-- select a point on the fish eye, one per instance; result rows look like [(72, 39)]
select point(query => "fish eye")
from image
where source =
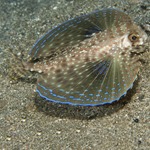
[(133, 37)]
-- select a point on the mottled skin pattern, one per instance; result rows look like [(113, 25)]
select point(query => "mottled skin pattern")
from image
[(87, 60)]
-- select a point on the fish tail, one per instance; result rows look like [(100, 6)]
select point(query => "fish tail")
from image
[(15, 67)]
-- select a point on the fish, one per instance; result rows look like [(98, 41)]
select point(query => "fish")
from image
[(89, 60)]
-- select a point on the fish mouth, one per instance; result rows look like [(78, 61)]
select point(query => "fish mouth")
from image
[(139, 49)]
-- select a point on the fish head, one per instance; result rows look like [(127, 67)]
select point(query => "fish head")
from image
[(137, 36), (134, 38)]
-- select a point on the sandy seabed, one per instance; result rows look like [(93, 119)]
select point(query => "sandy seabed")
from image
[(29, 122)]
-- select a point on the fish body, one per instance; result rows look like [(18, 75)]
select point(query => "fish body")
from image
[(88, 60)]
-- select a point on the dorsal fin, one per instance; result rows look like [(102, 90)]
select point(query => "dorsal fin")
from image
[(73, 31)]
